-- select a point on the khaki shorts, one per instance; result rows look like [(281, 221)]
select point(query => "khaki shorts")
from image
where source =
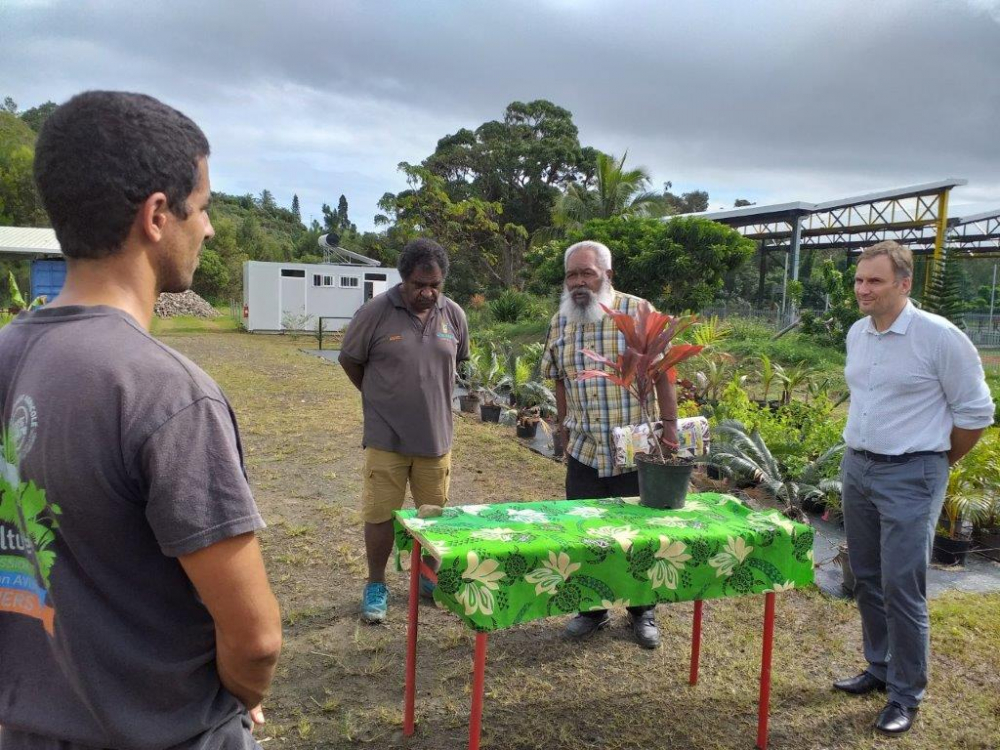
[(385, 477)]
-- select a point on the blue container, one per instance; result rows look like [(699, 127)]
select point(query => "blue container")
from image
[(47, 278)]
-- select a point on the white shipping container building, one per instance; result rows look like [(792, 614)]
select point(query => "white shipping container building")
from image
[(295, 296)]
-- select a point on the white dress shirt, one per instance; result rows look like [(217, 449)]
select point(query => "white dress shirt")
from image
[(912, 383)]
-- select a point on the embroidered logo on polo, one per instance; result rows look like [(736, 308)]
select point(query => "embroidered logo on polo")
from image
[(27, 525), (444, 333), (397, 337)]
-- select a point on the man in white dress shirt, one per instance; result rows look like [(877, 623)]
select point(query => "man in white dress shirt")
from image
[(919, 402)]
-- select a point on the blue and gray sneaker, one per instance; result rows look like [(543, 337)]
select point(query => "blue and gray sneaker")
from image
[(375, 603)]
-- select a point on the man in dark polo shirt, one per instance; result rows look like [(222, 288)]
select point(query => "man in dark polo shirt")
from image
[(401, 351)]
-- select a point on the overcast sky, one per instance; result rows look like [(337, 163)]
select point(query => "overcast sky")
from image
[(770, 101)]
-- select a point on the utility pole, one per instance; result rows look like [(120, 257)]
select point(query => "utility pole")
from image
[(993, 292)]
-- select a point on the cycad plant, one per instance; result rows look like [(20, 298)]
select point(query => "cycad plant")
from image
[(483, 373), (739, 452)]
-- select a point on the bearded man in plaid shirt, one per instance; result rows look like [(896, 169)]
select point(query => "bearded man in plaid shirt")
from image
[(589, 410)]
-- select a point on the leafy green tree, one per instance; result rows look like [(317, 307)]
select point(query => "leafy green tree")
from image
[(678, 264), (9, 106), (521, 162), (331, 222), (472, 230), (616, 191), (295, 207), (36, 116), (689, 203), (20, 204), (831, 326)]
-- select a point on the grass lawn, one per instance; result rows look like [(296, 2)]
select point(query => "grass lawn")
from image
[(340, 684)]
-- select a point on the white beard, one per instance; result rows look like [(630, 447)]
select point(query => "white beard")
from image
[(591, 312)]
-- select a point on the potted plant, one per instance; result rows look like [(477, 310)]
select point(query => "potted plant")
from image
[(968, 500), (535, 402), (470, 377), (648, 356), (986, 459), (767, 375), (986, 533), (490, 376), (792, 378)]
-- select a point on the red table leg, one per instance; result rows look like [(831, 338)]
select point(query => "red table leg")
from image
[(695, 643), (478, 680), (409, 691), (765, 672)]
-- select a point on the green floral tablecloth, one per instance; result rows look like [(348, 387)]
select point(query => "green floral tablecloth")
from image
[(513, 562)]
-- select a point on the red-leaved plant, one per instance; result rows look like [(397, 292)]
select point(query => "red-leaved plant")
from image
[(648, 355)]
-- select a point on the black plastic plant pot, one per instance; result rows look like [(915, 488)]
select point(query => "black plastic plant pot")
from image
[(663, 486), (527, 431), (490, 412), (468, 404), (948, 551)]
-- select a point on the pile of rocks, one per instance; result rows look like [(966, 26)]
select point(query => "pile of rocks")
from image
[(186, 303)]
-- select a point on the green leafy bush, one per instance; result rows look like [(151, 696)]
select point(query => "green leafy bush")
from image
[(677, 265), (796, 433), (511, 306)]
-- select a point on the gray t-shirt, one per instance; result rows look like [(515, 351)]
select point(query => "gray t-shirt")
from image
[(121, 456), (409, 372)]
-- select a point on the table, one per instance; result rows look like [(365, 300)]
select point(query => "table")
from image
[(505, 564)]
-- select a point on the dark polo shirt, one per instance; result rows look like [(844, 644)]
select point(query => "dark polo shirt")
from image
[(409, 372)]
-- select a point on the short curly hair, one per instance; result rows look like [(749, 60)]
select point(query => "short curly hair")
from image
[(101, 155), (422, 253)]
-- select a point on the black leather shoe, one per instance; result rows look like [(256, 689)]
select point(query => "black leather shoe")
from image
[(644, 628), (895, 718), (586, 624), (863, 684)]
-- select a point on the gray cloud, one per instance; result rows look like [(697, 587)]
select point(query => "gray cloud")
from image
[(770, 101)]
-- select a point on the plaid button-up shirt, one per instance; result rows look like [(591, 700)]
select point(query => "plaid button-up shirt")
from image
[(593, 407)]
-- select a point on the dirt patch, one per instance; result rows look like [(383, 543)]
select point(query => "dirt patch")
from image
[(340, 684)]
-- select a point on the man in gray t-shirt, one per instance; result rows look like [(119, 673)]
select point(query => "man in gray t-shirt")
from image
[(401, 351), (134, 607)]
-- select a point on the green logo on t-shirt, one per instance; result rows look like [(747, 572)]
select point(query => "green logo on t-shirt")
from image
[(27, 533)]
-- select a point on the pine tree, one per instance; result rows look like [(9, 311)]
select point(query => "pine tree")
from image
[(342, 221), (295, 207), (944, 295)]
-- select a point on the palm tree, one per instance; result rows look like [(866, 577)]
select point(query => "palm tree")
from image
[(616, 192)]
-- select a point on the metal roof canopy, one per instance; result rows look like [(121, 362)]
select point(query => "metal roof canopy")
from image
[(28, 243), (905, 208), (913, 215), (910, 215)]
